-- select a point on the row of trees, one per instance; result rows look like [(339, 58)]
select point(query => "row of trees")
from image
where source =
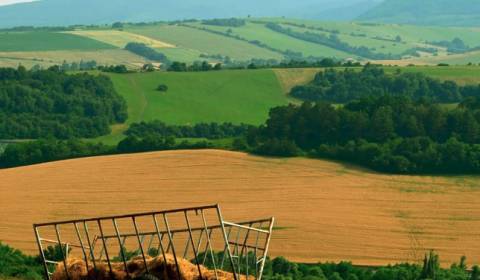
[(50, 103), (393, 134), (343, 86), (201, 130), (333, 41), (195, 67), (230, 22), (143, 50)]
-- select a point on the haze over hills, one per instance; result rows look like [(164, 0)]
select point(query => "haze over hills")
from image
[(70, 12), (426, 12)]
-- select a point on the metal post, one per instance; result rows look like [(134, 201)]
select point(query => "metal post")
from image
[(122, 253), (193, 244), (265, 252), (170, 237), (61, 250), (206, 247), (83, 247), (42, 254), (91, 249), (160, 237), (225, 249), (187, 246), (105, 246), (140, 243), (209, 245), (227, 242)]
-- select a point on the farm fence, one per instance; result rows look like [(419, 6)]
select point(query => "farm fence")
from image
[(197, 234)]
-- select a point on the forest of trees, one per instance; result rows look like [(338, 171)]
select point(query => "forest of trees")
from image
[(195, 67), (456, 45), (230, 22), (51, 103), (40, 151), (343, 86), (143, 50), (201, 130), (387, 133)]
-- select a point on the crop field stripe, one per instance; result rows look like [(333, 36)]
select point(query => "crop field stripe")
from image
[(47, 41), (368, 218)]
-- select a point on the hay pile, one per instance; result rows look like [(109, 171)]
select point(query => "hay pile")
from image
[(157, 267)]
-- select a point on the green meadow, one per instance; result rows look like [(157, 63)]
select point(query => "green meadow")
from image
[(47, 41)]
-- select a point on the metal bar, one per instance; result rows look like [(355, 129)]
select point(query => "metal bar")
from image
[(245, 242), (235, 249), (122, 253), (256, 249), (193, 244), (184, 230), (265, 252), (220, 218), (83, 248), (61, 250), (160, 238), (42, 254), (225, 249), (245, 227), (170, 237), (199, 243), (105, 247), (56, 242), (149, 245), (140, 243), (127, 216), (186, 248), (170, 244), (206, 247), (209, 244), (92, 253)]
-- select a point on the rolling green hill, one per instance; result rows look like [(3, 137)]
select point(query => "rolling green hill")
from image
[(47, 41), (237, 96), (426, 12), (196, 41)]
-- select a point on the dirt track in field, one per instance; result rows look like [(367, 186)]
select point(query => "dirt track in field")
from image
[(326, 211)]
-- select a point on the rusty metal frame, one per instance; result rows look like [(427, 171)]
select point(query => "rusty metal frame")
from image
[(236, 252)]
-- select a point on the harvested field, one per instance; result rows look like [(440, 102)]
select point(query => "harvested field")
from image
[(158, 267), (325, 211), (120, 38)]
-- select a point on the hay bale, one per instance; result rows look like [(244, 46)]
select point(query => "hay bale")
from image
[(159, 267)]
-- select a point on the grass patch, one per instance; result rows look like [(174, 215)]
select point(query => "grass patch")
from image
[(236, 96), (47, 41)]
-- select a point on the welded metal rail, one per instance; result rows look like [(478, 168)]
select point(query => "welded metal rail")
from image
[(229, 253)]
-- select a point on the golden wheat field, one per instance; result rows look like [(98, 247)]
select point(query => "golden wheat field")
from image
[(325, 211)]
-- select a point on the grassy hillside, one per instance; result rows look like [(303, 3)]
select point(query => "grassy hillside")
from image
[(49, 58), (338, 206), (426, 12), (238, 96), (256, 31), (47, 41), (194, 41), (204, 42), (243, 96)]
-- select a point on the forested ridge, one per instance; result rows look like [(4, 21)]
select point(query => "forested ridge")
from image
[(51, 103), (343, 86), (387, 133)]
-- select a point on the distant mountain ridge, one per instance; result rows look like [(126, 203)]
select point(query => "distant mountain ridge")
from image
[(426, 12), (71, 12)]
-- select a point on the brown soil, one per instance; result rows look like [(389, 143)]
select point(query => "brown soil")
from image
[(325, 211)]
